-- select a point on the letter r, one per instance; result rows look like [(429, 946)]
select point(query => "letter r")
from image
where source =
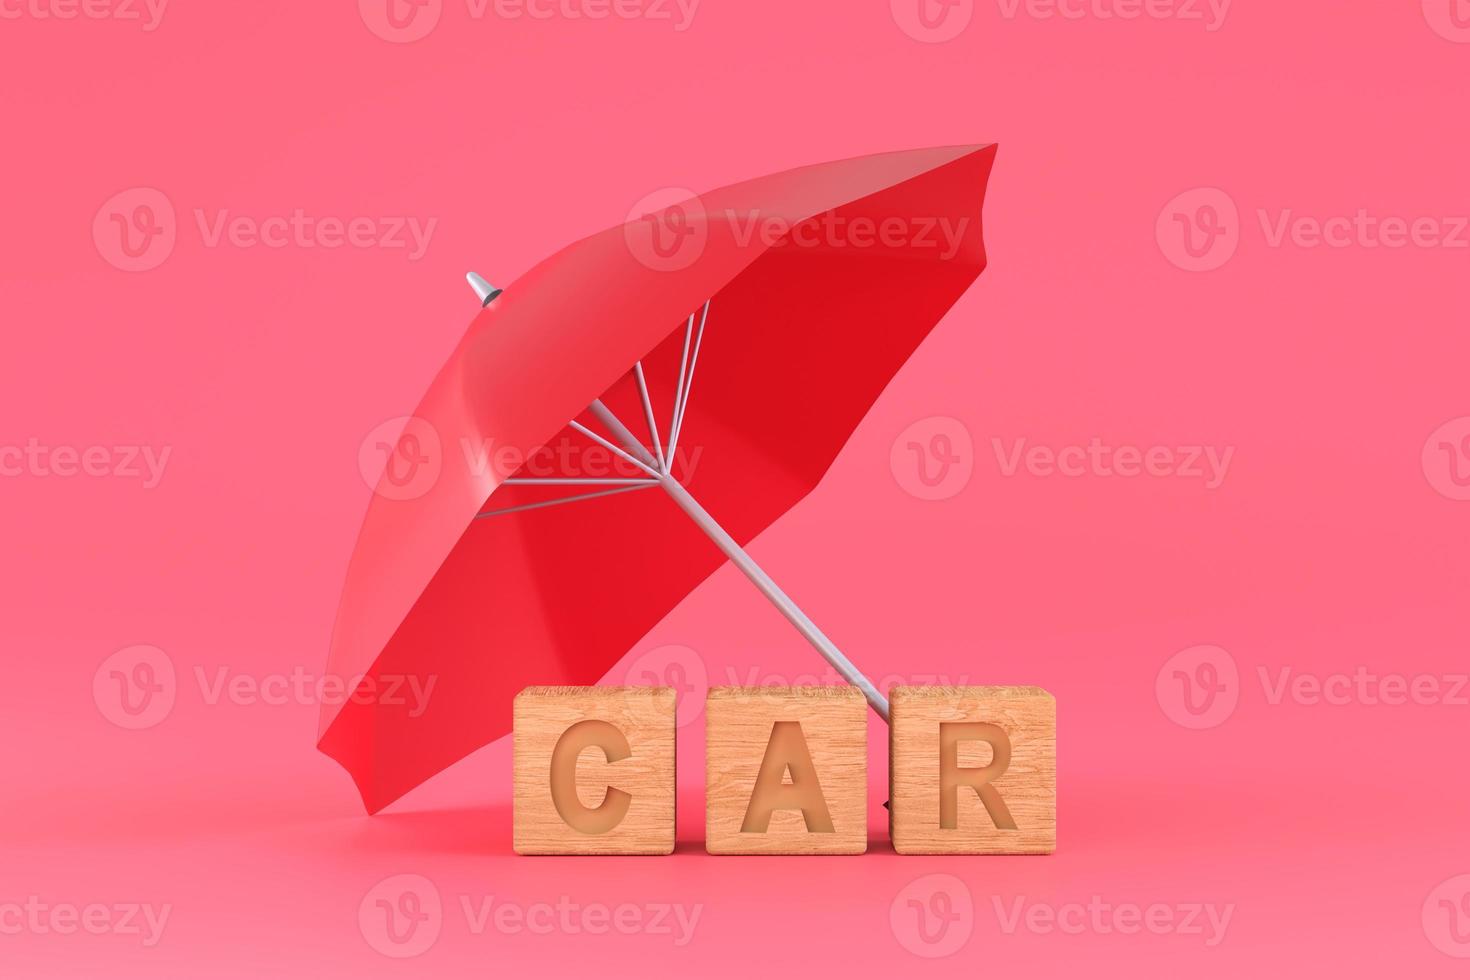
[(982, 780)]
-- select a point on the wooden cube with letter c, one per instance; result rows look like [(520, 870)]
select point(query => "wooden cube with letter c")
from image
[(594, 770), (787, 770), (972, 770)]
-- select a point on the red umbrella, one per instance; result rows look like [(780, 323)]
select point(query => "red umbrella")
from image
[(718, 351)]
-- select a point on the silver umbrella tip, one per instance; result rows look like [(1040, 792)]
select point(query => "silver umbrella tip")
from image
[(482, 288)]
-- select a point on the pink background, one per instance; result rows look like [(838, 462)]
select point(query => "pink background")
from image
[(1336, 540)]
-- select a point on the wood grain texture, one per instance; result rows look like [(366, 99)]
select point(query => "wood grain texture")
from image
[(833, 728), (1022, 718), (644, 716)]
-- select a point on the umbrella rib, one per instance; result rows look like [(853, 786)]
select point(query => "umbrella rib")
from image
[(658, 449), (576, 481), (688, 381), (679, 387), (609, 446), (642, 485)]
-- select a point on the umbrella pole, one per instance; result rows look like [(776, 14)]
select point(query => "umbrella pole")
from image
[(745, 563), (772, 591)]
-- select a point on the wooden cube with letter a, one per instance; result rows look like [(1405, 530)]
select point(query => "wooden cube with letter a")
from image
[(594, 770), (787, 770), (972, 770)]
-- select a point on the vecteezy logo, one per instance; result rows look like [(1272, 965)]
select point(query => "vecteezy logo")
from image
[(1450, 19), (933, 916), (934, 458), (401, 459), (1447, 459), (1199, 230), (1446, 917), (668, 229), (136, 687), (401, 916), (400, 21), (678, 667), (1198, 687), (135, 229), (933, 21)]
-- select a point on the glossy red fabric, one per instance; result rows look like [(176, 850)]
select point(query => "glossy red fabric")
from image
[(804, 333)]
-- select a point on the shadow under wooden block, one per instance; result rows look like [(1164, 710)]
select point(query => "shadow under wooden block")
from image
[(786, 770), (972, 770), (594, 770)]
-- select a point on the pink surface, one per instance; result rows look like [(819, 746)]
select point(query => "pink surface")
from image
[(184, 419)]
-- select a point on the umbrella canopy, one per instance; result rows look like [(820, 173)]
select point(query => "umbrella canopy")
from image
[(754, 326)]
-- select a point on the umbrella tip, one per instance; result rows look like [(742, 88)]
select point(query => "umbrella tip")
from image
[(482, 288)]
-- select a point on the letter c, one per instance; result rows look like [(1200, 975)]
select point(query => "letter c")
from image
[(573, 742)]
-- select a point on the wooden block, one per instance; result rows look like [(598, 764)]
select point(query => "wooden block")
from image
[(594, 770), (972, 770), (787, 770)]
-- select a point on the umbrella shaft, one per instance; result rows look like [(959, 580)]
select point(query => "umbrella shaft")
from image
[(746, 564), (773, 592)]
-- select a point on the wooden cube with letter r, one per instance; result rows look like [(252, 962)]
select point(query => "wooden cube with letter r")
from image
[(787, 770), (594, 770), (972, 770)]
